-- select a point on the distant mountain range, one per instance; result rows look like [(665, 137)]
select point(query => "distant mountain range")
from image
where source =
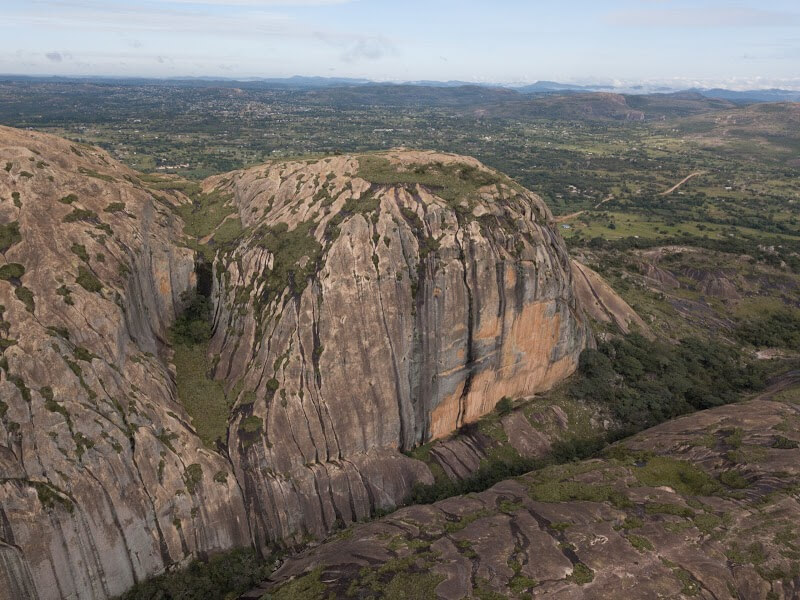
[(539, 87)]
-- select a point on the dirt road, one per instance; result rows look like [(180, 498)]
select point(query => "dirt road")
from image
[(563, 218), (681, 182)]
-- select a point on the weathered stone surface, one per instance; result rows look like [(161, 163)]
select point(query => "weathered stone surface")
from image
[(102, 479), (660, 517), (406, 315), (602, 303), (355, 317)]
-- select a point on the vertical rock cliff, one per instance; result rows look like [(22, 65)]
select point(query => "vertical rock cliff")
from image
[(362, 305), (102, 479), (374, 303)]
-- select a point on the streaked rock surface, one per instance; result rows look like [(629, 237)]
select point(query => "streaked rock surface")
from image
[(418, 310), (103, 481)]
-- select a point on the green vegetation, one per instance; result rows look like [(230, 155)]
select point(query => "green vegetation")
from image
[(562, 491), (452, 182), (404, 578), (65, 293), (489, 473), (681, 476), (690, 587), (80, 214), (581, 574), (520, 584), (115, 207), (193, 326), (297, 254), (11, 271), (642, 383), (26, 297), (779, 329), (81, 353), (50, 497), (784, 443), (9, 235), (642, 544), (707, 522), (307, 587), (412, 586), (251, 424), (79, 250), (87, 280), (95, 174), (647, 382), (202, 397), (665, 508), (734, 480), (505, 406), (463, 521), (743, 205), (223, 577), (192, 477), (207, 215)]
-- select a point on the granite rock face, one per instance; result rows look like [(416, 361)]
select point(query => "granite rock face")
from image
[(103, 481), (602, 303), (364, 305), (378, 302), (704, 506)]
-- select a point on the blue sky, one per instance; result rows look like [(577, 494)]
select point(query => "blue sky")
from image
[(680, 42)]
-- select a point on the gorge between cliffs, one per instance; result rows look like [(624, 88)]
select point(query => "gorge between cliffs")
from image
[(357, 307)]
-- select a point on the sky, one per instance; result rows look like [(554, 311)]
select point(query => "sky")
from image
[(681, 43)]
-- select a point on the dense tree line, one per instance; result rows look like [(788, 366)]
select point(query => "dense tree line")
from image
[(779, 329), (646, 382), (642, 383), (780, 252)]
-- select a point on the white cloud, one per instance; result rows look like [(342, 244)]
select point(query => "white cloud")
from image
[(720, 16), (355, 48), (98, 16)]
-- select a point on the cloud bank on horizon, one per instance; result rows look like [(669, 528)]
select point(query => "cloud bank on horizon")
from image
[(677, 43)]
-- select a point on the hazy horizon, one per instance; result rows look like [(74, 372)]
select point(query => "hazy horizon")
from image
[(671, 43)]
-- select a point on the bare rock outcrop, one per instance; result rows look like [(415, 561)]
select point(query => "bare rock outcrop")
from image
[(103, 482), (362, 305), (376, 302), (602, 303), (704, 506)]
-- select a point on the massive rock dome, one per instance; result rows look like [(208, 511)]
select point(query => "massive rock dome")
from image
[(377, 302), (362, 305)]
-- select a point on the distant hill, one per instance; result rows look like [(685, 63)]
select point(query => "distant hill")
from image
[(401, 95), (603, 106), (300, 82), (775, 119), (677, 104), (573, 106), (751, 96), (554, 86), (503, 102), (772, 130)]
